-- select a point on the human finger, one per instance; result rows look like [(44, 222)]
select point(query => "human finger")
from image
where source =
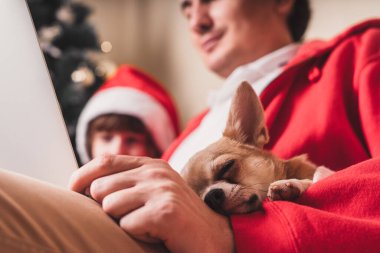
[(140, 226), (153, 171), (103, 186), (122, 202), (102, 166)]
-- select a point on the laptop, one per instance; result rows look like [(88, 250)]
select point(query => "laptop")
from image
[(33, 136)]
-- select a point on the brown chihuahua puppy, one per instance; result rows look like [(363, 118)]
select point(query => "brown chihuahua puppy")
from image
[(235, 174)]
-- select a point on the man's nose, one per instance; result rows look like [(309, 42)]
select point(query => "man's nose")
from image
[(200, 20)]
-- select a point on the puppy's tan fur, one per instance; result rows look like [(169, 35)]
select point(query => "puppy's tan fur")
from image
[(235, 174)]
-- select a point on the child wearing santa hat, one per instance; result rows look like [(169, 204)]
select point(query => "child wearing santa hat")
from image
[(130, 114)]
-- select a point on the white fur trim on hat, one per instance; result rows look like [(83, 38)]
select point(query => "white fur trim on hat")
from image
[(127, 101)]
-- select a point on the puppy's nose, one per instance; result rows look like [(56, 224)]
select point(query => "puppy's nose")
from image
[(215, 199)]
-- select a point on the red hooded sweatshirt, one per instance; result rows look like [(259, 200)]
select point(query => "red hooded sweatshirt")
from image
[(326, 103)]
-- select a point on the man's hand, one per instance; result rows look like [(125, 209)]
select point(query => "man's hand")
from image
[(153, 203)]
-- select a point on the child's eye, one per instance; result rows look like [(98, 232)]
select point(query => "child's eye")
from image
[(131, 140), (106, 137)]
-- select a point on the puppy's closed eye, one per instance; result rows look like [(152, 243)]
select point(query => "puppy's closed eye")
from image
[(225, 170)]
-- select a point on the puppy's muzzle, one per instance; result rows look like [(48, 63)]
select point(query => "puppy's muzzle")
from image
[(215, 199)]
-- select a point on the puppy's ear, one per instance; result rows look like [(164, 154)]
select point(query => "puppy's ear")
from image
[(246, 122)]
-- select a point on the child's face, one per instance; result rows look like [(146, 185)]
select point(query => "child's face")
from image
[(119, 143)]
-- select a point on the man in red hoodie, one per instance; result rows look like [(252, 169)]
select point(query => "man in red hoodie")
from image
[(321, 98)]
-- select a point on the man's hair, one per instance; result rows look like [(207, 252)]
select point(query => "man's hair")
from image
[(120, 122), (298, 19)]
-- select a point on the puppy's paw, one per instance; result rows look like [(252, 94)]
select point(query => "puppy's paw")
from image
[(288, 189)]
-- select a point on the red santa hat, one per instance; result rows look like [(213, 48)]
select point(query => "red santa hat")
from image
[(131, 92)]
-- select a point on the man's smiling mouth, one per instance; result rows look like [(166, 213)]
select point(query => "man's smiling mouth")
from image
[(210, 42)]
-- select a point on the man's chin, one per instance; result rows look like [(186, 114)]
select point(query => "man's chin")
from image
[(218, 65)]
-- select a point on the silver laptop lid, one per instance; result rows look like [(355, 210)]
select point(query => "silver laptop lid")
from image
[(33, 136)]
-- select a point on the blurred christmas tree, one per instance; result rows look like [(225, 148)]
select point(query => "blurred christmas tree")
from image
[(68, 41)]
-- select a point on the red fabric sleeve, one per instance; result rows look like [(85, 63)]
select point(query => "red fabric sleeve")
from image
[(369, 103), (338, 214)]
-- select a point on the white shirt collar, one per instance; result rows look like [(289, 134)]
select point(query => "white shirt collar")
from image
[(253, 72)]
